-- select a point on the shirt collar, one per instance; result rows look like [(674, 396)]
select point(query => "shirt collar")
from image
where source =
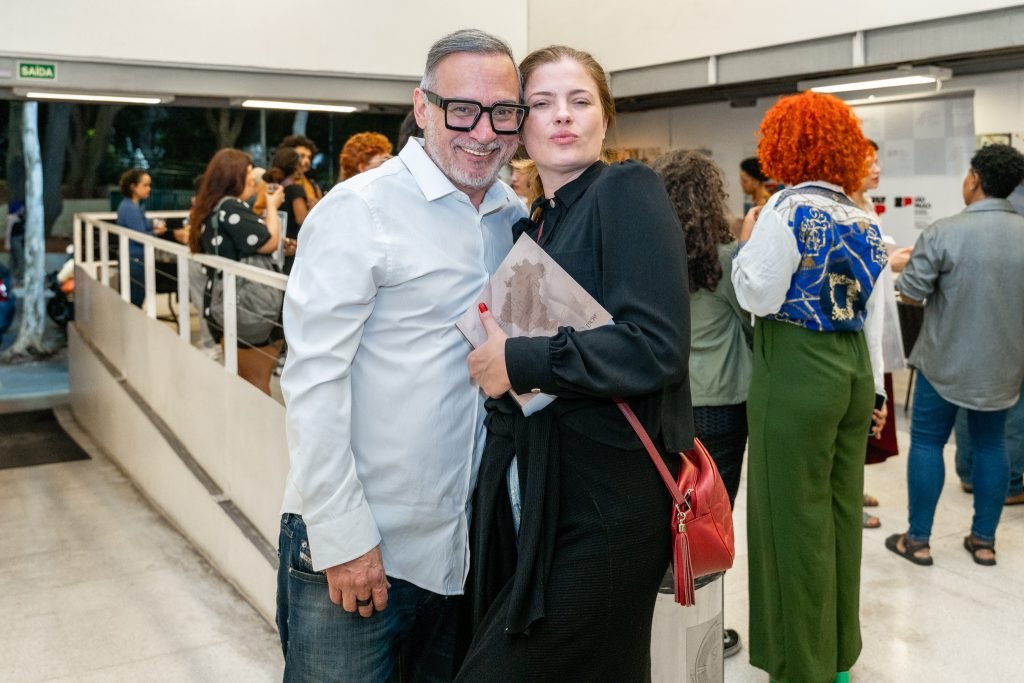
[(574, 189), (991, 204), (434, 184), (820, 183)]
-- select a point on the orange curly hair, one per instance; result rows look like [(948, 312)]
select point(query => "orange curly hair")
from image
[(812, 136), (359, 149)]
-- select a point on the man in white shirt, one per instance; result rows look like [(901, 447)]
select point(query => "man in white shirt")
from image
[(385, 429)]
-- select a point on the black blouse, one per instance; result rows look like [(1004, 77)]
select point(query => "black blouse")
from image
[(614, 230), (291, 193), (239, 231)]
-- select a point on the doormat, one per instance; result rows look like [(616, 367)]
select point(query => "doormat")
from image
[(35, 438)]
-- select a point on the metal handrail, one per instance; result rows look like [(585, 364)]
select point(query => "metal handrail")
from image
[(86, 224)]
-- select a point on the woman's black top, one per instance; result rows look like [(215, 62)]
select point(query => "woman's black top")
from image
[(239, 231), (614, 230), (291, 193)]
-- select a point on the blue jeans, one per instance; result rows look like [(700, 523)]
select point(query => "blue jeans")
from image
[(413, 639), (926, 471), (1014, 448)]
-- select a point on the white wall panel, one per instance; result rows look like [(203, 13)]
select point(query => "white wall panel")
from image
[(730, 134), (387, 37), (646, 32)]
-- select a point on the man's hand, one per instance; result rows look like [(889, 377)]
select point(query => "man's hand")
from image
[(359, 584), (487, 363)]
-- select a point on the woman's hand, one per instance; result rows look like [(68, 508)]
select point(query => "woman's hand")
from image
[(275, 199), (182, 234), (748, 223), (898, 259), (289, 246), (487, 363), (878, 418)]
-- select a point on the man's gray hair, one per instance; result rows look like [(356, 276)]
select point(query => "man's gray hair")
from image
[(465, 40)]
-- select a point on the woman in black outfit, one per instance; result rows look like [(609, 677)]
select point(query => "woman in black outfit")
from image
[(569, 594), (285, 171)]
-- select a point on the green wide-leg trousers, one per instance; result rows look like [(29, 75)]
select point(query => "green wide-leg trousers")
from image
[(809, 411)]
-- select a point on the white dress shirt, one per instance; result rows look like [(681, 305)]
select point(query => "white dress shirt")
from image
[(385, 428), (763, 269)]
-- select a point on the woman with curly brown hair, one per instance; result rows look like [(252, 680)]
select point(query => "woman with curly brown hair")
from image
[(720, 331), (362, 152), (808, 270)]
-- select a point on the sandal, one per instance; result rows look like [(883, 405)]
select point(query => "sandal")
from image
[(870, 501), (974, 546), (871, 522), (909, 548)]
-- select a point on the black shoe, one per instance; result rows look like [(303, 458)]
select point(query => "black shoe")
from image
[(731, 643)]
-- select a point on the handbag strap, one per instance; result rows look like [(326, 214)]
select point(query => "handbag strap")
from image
[(666, 476)]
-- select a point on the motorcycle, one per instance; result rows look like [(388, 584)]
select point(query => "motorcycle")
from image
[(61, 306)]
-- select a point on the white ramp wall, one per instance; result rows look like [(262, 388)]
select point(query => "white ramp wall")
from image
[(203, 445)]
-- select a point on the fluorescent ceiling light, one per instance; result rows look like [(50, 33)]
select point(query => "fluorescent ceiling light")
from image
[(299, 106), (872, 85), (875, 81), (83, 97)]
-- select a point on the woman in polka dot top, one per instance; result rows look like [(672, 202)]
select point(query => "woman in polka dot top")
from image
[(227, 183)]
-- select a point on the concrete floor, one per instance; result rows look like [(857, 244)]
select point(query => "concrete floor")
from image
[(96, 586)]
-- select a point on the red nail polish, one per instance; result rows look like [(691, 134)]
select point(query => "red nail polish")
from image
[(482, 307)]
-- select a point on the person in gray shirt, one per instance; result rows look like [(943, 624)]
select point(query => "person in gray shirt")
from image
[(966, 272)]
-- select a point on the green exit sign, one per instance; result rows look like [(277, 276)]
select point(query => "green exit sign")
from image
[(37, 71)]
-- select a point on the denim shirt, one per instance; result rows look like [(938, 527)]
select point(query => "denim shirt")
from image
[(967, 269)]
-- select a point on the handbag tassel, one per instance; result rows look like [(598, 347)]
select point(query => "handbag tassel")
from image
[(683, 571)]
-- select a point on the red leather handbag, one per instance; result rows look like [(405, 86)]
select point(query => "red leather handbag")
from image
[(702, 535)]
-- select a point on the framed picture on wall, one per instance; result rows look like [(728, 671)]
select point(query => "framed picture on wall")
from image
[(987, 139)]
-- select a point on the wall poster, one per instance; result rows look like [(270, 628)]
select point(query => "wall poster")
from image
[(925, 147)]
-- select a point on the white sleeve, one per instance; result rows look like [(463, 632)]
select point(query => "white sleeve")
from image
[(874, 325), (340, 264), (762, 271)]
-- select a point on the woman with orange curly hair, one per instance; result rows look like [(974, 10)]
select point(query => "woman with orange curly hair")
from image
[(362, 152), (807, 270)]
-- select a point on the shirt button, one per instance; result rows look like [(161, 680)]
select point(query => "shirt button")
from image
[(535, 390), (551, 203)]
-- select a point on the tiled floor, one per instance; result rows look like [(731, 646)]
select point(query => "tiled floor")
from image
[(95, 586)]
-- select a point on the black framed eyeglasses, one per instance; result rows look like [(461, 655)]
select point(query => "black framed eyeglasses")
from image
[(463, 115)]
